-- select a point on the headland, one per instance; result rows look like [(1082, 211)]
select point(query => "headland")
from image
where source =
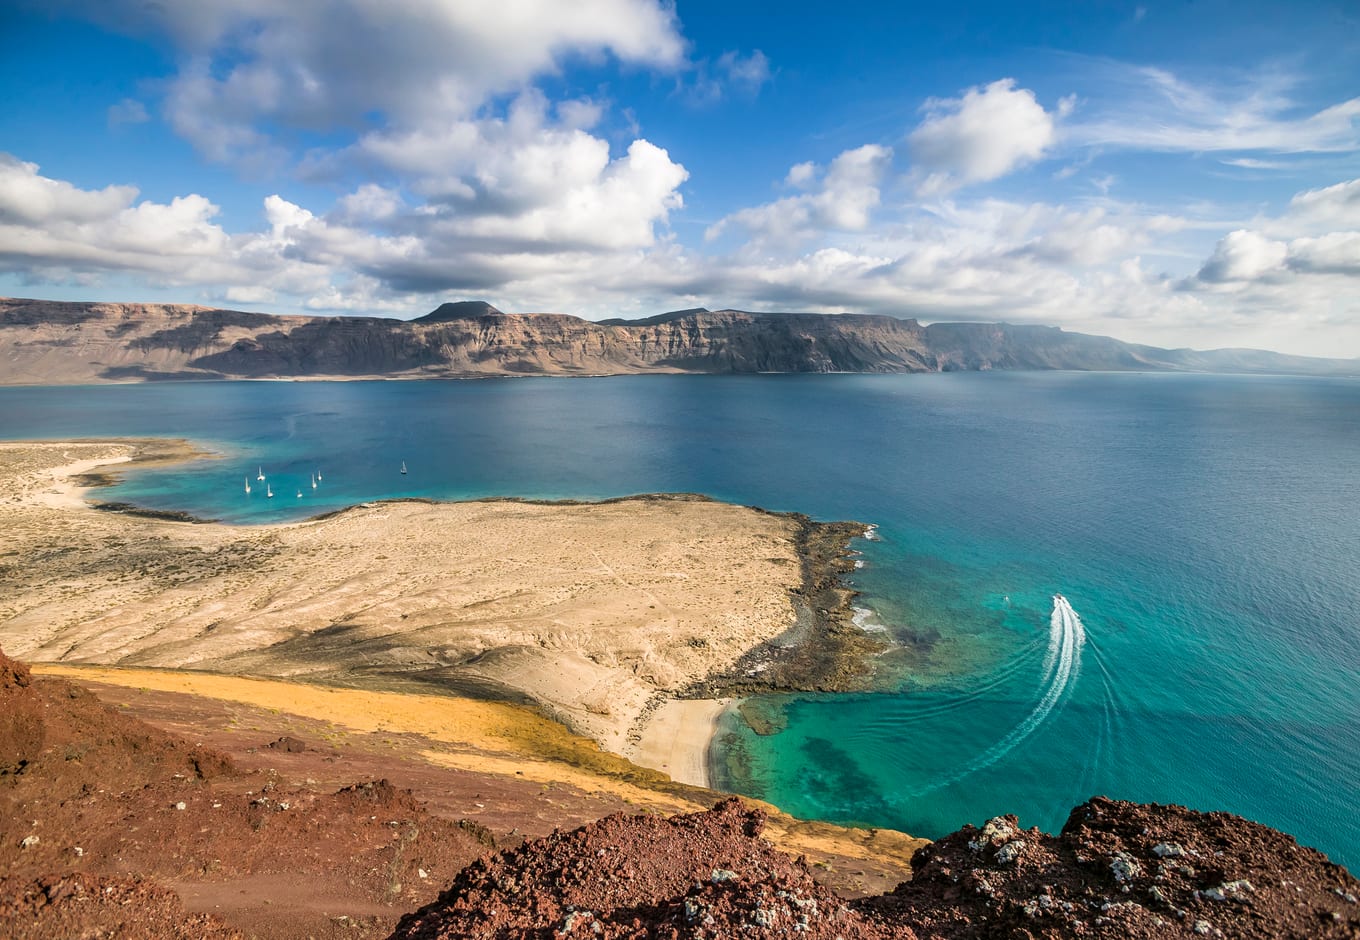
[(633, 622)]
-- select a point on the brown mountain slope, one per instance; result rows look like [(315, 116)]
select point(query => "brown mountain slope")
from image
[(101, 815), (48, 342)]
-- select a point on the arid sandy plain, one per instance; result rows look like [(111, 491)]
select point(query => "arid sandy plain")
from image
[(596, 613)]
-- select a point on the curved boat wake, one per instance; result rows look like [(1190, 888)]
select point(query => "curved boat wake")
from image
[(1062, 664)]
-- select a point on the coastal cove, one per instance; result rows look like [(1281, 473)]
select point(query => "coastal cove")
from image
[(1203, 529)]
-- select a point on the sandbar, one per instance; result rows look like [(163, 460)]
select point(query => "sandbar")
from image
[(598, 614)]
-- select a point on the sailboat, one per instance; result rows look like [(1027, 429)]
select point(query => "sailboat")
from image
[(403, 466), (318, 476), (247, 486), (269, 491), (313, 481), (299, 494), (260, 477)]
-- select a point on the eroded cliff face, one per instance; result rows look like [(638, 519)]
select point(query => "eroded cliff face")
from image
[(65, 343), (47, 342)]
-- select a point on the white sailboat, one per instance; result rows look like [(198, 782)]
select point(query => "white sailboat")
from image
[(260, 475), (313, 481), (403, 466), (318, 476), (247, 486), (269, 491), (299, 494)]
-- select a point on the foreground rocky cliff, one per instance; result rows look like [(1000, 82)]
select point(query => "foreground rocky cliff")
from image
[(1117, 870), (48, 342), (110, 827)]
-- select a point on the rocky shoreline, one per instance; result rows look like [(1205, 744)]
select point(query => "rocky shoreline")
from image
[(825, 650)]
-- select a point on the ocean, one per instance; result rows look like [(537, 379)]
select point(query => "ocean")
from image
[(1144, 586)]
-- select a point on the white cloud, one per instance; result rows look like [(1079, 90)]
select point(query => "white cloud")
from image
[(801, 174), (527, 182), (1293, 278), (1333, 253), (843, 202), (370, 203), (50, 229), (28, 198), (982, 136), (1324, 209), (1317, 234), (1243, 256), (50, 223), (249, 295), (746, 72), (252, 65)]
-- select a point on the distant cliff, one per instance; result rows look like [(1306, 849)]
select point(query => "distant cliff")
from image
[(48, 342)]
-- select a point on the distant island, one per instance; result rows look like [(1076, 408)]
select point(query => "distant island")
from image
[(60, 343)]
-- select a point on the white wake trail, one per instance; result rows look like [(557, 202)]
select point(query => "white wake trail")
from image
[(1062, 663)]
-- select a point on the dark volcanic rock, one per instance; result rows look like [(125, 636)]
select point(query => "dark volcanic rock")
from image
[(463, 310), (1122, 870), (1117, 870), (288, 744)]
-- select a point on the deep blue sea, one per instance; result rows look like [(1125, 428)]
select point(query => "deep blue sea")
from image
[(1203, 530)]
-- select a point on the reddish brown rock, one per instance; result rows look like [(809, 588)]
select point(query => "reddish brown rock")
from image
[(102, 795), (81, 905), (21, 722), (702, 875)]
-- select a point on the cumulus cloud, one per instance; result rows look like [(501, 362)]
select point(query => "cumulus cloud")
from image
[(843, 198), (982, 136), (1317, 234), (1243, 256), (48, 222), (1294, 277), (460, 171), (50, 229), (1333, 253), (253, 65), (27, 198)]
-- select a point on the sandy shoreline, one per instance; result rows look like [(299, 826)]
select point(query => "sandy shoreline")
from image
[(599, 614)]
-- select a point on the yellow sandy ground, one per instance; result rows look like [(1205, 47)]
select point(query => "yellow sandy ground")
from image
[(493, 738)]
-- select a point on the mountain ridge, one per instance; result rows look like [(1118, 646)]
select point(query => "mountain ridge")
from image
[(56, 342)]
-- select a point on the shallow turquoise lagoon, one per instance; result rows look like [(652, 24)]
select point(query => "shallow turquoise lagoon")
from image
[(1204, 532)]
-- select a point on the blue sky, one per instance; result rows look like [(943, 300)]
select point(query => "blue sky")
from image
[(1178, 173)]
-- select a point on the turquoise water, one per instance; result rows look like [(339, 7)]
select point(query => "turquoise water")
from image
[(1205, 530)]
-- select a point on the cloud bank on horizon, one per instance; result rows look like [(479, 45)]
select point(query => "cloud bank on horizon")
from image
[(1144, 177)]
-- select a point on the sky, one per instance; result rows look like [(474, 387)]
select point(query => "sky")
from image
[(1179, 173)]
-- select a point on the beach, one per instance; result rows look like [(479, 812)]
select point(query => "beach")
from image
[(599, 615)]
